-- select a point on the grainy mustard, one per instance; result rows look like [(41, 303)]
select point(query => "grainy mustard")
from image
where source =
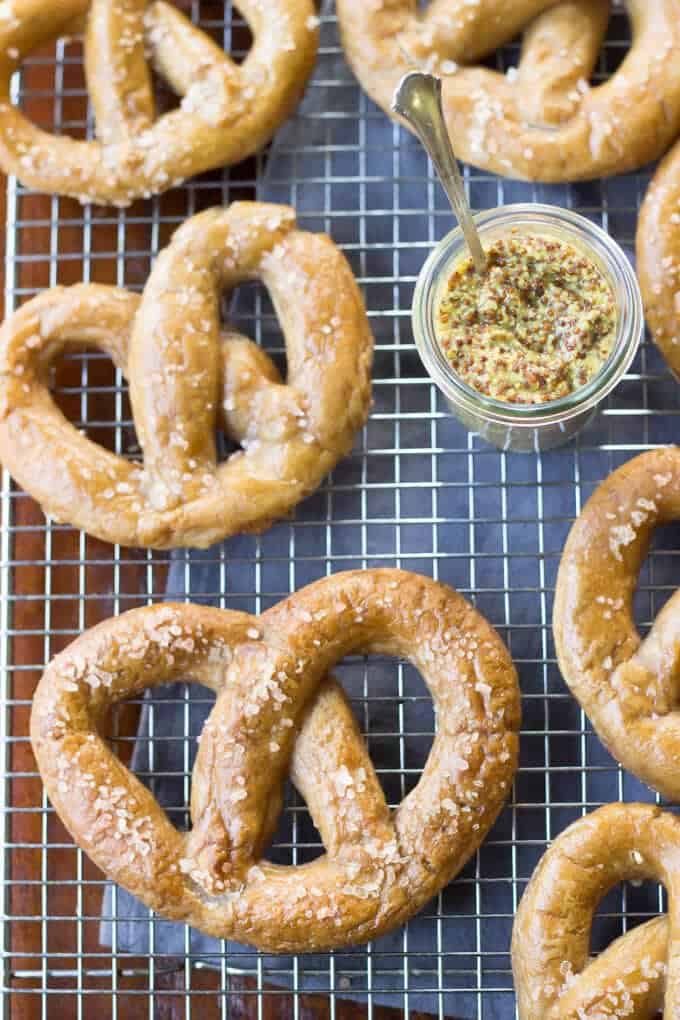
[(537, 325)]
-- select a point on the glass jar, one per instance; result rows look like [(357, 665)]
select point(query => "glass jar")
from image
[(527, 427)]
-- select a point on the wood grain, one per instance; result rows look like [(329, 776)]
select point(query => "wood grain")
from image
[(59, 956), (55, 945)]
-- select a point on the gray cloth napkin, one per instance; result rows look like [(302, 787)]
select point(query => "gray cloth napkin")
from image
[(346, 165)]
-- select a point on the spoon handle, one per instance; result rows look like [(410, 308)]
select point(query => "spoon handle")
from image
[(418, 99)]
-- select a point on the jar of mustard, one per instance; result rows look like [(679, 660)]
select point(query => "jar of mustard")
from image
[(526, 352)]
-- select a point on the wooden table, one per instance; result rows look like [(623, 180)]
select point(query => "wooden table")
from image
[(64, 945)]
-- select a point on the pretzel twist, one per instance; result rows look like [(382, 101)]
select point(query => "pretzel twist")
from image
[(638, 975), (627, 686), (544, 122), (658, 257), (276, 708), (185, 376), (227, 110)]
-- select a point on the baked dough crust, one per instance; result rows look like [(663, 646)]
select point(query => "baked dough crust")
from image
[(658, 258), (626, 685), (277, 709), (185, 375), (544, 122), (637, 975), (227, 111)]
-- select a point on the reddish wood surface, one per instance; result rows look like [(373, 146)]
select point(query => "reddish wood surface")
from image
[(55, 944)]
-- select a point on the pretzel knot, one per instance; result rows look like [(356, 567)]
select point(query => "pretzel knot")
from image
[(182, 371), (638, 975), (276, 707), (542, 120), (627, 686), (658, 257), (227, 110)]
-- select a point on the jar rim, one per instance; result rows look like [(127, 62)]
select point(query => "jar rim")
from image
[(606, 252)]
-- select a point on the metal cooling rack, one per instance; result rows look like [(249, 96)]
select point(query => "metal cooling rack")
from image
[(417, 491)]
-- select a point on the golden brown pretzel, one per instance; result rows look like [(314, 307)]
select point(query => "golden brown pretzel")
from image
[(658, 257), (627, 686), (276, 708), (181, 372), (227, 111), (543, 122), (638, 975)]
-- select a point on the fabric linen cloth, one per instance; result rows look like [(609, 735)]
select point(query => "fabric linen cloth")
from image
[(341, 155)]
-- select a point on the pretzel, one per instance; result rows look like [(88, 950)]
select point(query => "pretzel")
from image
[(638, 975), (181, 369), (658, 257), (541, 121), (276, 707), (227, 111), (626, 685)]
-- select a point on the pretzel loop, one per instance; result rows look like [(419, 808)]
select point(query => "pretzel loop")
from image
[(176, 414), (550, 86), (230, 833), (628, 687), (544, 120), (186, 376), (378, 625), (658, 258), (116, 72), (227, 111), (638, 975), (276, 711)]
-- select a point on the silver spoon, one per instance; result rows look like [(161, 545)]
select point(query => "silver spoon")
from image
[(418, 99)]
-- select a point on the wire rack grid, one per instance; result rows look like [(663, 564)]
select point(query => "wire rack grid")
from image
[(418, 492)]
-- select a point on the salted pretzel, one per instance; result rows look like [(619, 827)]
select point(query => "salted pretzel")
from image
[(638, 975), (185, 375), (227, 111), (276, 710), (627, 686), (658, 257), (542, 120)]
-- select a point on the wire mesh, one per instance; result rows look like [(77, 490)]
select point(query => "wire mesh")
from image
[(417, 491)]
